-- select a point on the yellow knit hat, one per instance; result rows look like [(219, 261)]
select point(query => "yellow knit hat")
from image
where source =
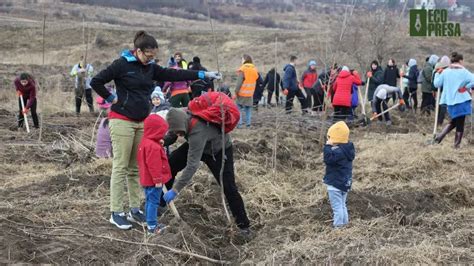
[(339, 133)]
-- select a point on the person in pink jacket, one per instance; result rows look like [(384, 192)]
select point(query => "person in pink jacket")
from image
[(103, 147)]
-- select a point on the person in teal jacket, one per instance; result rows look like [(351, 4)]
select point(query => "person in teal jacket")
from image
[(457, 83)]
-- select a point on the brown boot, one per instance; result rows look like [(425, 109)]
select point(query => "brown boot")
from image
[(443, 133), (457, 139)]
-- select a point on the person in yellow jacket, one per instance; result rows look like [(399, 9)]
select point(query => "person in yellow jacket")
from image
[(246, 83)]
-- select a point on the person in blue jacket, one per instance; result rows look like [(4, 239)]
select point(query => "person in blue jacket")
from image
[(290, 86), (457, 83), (339, 153)]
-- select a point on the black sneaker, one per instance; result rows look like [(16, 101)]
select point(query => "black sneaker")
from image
[(136, 217), (120, 220), (246, 233)]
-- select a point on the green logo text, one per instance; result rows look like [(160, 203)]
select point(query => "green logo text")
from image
[(433, 22)]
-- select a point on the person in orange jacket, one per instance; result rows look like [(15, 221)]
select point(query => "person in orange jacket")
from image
[(247, 76)]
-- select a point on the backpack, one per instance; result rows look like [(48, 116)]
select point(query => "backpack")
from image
[(355, 96), (208, 107)]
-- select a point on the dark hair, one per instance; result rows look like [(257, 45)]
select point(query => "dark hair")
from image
[(375, 62), (393, 60), (197, 60), (293, 58), (247, 59), (178, 53), (25, 76), (455, 57), (144, 41)]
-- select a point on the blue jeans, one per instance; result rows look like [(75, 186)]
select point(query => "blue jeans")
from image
[(338, 204), (152, 200), (248, 114)]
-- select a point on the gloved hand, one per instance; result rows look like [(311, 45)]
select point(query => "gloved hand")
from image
[(213, 75), (369, 74), (112, 98), (402, 102), (170, 195), (439, 70), (19, 93), (285, 91), (374, 114), (25, 111)]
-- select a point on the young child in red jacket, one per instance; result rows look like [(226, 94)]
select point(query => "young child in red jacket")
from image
[(153, 168)]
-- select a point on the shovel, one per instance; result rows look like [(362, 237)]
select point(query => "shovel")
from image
[(386, 111), (171, 204), (24, 114), (362, 103)]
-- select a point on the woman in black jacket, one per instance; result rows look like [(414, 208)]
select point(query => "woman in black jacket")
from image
[(391, 74), (134, 74)]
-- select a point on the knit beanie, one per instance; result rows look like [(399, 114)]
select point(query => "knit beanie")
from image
[(157, 93), (312, 63), (196, 60), (345, 68), (339, 132), (177, 120)]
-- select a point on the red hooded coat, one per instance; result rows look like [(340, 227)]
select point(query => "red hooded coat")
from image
[(153, 165), (342, 88)]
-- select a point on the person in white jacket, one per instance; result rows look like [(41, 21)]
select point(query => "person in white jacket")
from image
[(83, 76)]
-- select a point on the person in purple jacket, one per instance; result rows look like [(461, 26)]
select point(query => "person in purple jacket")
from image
[(103, 147)]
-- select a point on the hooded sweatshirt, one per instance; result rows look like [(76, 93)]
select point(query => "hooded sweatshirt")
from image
[(427, 74), (202, 138), (153, 165), (384, 92), (28, 91), (290, 81), (412, 74), (338, 160), (342, 88)]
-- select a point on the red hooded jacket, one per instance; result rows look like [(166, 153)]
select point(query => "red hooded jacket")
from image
[(342, 88), (153, 165), (28, 91)]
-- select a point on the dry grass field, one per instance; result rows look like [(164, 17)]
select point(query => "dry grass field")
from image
[(411, 202)]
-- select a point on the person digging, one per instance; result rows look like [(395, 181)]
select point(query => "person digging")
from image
[(379, 103), (203, 143)]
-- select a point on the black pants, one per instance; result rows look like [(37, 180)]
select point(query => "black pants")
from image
[(458, 123), (379, 104), (289, 100), (178, 161), (341, 113), (79, 95), (443, 109), (34, 115), (318, 100), (270, 94), (410, 94), (309, 98), (427, 102)]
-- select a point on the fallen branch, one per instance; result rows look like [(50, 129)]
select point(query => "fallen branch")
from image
[(83, 234)]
